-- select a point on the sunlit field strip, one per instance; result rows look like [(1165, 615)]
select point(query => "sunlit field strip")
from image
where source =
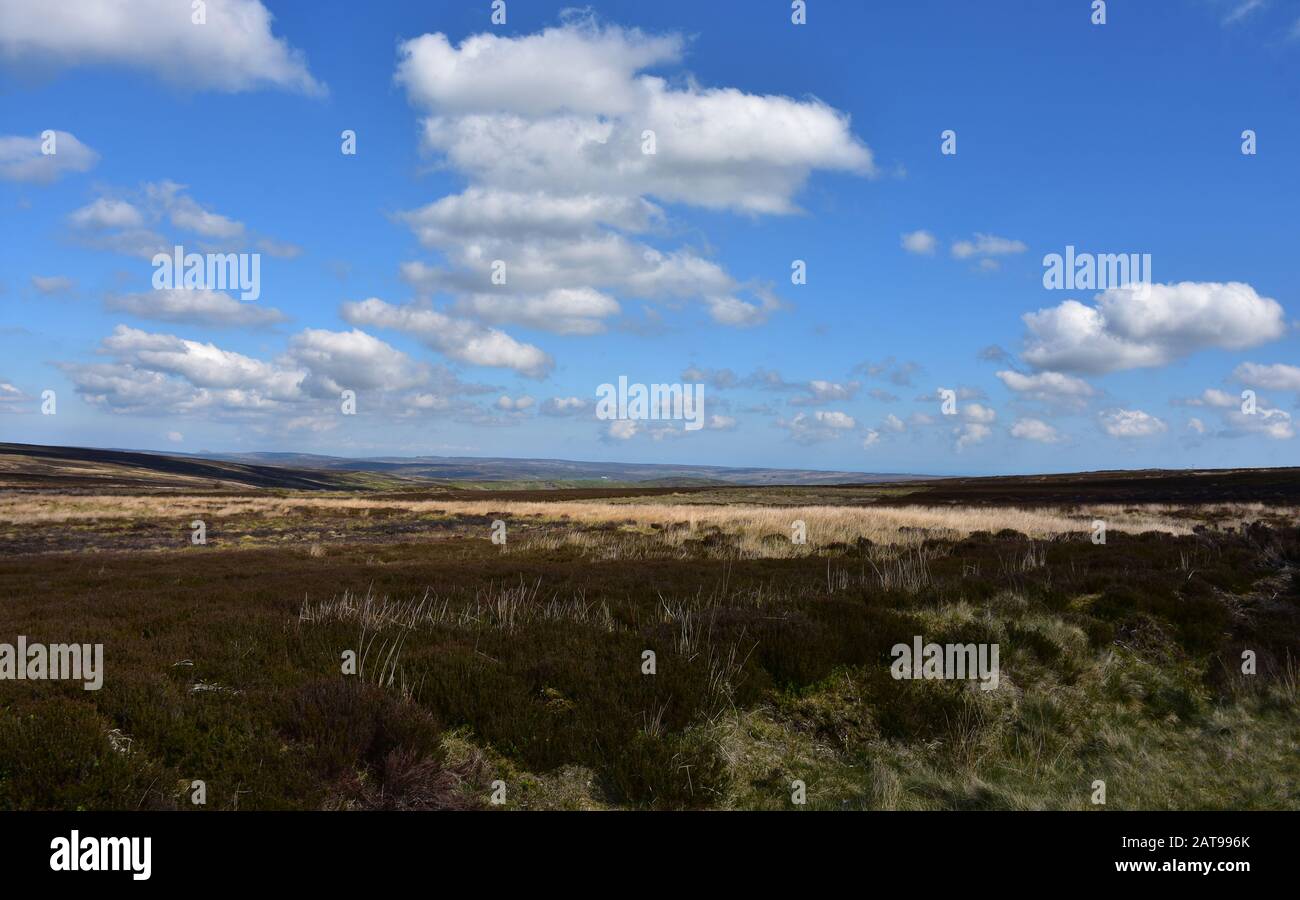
[(825, 524)]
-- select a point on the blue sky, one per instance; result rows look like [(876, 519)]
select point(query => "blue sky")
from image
[(775, 142)]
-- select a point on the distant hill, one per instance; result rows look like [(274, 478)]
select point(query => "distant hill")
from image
[(70, 468), (35, 466), (468, 468)]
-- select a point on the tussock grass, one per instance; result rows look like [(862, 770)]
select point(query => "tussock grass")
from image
[(504, 608), (759, 531)]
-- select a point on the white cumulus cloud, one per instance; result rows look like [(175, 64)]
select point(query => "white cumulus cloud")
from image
[(1035, 430), (987, 246), (1131, 423), (1047, 386), (22, 159), (198, 307), (1277, 377), (921, 242), (459, 339), (568, 146), (970, 434), (822, 425), (234, 50), (1126, 330)]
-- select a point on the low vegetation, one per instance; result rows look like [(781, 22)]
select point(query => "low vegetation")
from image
[(518, 671)]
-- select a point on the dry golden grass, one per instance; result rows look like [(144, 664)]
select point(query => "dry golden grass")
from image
[(760, 530)]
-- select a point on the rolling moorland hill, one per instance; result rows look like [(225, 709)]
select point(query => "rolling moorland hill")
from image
[(33, 466)]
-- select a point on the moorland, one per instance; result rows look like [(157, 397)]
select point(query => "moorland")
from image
[(1160, 661)]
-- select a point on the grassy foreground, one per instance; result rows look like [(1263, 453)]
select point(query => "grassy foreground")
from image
[(516, 671)]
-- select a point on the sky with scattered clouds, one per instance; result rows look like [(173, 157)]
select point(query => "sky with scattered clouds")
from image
[(671, 192)]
